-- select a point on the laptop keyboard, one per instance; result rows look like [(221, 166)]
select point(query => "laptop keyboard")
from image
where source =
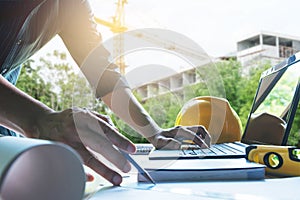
[(215, 150), (143, 149), (235, 149)]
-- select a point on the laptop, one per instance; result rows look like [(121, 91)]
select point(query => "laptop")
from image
[(277, 96)]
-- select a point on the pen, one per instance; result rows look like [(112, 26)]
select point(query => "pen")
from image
[(137, 166)]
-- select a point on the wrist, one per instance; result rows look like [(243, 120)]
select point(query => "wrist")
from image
[(36, 122), (152, 133)]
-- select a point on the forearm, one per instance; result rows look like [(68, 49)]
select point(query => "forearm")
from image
[(113, 89), (19, 111), (123, 103)]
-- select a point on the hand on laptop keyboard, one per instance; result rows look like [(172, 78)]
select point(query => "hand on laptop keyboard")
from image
[(175, 137)]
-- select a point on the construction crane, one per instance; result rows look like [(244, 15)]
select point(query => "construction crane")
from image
[(117, 26)]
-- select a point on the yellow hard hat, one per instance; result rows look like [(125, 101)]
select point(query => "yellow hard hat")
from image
[(215, 114)]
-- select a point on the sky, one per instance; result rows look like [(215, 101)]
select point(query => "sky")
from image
[(215, 25)]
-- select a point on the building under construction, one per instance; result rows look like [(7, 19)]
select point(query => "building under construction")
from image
[(264, 46), (251, 50)]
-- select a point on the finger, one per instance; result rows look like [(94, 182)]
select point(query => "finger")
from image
[(122, 142), (104, 171), (105, 147), (199, 130), (197, 139), (202, 133), (167, 143), (89, 177), (116, 138), (176, 132), (100, 168), (101, 127), (181, 132), (119, 140), (105, 118)]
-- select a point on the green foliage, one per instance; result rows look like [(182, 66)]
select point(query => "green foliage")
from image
[(211, 81), (127, 131), (164, 109), (240, 88), (231, 74), (31, 82), (247, 92), (57, 84)]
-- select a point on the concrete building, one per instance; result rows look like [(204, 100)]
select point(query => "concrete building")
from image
[(259, 47), (174, 84), (264, 46)]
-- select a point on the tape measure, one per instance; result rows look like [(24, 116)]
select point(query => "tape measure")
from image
[(279, 160)]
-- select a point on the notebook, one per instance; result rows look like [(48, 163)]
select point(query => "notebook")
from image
[(192, 170), (277, 97)]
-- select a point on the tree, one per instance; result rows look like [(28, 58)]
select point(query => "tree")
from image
[(230, 86), (294, 138), (32, 83), (248, 89), (57, 84)]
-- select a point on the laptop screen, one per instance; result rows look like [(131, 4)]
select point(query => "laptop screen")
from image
[(274, 105)]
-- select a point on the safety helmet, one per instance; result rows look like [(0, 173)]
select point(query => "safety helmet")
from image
[(215, 114)]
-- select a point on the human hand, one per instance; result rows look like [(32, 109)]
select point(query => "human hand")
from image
[(84, 130), (174, 137)]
